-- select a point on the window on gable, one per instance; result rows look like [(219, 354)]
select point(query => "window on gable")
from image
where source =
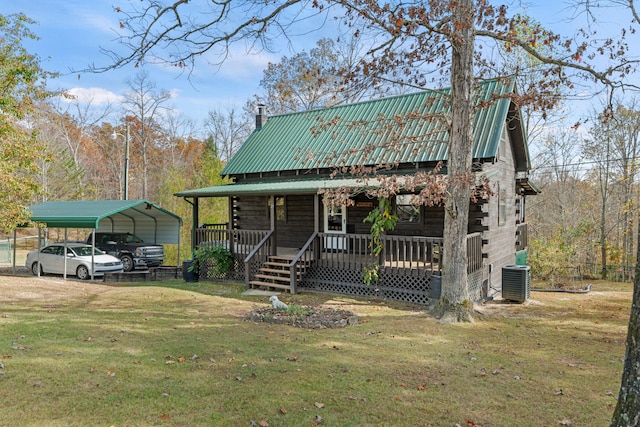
[(502, 206), (504, 140), (406, 211)]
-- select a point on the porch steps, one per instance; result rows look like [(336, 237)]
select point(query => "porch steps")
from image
[(275, 273)]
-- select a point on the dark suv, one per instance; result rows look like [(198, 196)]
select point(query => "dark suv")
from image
[(131, 250)]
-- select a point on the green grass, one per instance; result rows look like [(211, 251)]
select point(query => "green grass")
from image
[(182, 354)]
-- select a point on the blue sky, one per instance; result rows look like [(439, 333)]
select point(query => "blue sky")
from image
[(72, 32)]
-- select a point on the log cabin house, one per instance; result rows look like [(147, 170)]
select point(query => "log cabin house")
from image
[(283, 236)]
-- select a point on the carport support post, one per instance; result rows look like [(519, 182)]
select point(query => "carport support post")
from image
[(93, 251), (15, 238), (39, 241), (64, 276)]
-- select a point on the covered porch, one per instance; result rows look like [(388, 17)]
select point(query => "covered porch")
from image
[(408, 268), (299, 244)]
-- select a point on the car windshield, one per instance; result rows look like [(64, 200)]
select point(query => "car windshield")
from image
[(86, 251), (132, 238)]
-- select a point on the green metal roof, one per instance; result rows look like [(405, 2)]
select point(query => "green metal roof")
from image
[(297, 186), (356, 134), (88, 213), (292, 186), (148, 221)]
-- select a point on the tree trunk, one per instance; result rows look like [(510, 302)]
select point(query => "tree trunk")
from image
[(627, 412), (454, 305), (603, 242)]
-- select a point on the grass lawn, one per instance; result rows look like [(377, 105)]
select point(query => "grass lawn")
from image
[(183, 354)]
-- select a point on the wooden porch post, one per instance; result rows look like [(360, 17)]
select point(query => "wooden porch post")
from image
[(273, 225), (230, 223), (194, 228), (316, 225)]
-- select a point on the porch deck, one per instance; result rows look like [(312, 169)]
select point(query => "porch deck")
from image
[(335, 263)]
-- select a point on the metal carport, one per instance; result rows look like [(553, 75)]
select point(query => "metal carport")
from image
[(148, 221)]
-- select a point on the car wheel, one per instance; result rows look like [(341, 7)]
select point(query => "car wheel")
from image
[(34, 269), (82, 272), (127, 262)]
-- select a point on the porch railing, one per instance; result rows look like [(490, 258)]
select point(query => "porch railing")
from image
[(340, 251), (257, 256), (237, 241), (304, 257), (249, 248), (353, 252)]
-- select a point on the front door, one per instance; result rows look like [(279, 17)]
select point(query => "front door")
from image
[(335, 226)]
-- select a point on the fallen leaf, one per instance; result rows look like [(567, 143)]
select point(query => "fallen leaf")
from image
[(420, 387), (293, 359), (263, 423), (566, 423), (319, 405), (165, 417), (238, 378), (181, 359), (317, 421), (283, 410)]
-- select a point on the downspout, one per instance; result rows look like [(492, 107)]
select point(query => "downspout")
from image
[(194, 225)]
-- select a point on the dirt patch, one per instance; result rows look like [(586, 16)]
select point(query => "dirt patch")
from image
[(21, 288), (306, 317)]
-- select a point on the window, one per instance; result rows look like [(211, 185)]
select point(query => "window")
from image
[(502, 206), (406, 211), (281, 211), (504, 140)]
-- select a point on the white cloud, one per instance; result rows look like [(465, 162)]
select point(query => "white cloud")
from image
[(92, 95)]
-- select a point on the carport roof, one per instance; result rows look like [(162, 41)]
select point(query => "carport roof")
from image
[(88, 213)]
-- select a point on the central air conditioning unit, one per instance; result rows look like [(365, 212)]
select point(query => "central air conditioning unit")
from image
[(516, 282)]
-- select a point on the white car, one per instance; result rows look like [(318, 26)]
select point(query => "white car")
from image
[(78, 261)]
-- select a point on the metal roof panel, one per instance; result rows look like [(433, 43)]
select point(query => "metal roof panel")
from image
[(404, 129)]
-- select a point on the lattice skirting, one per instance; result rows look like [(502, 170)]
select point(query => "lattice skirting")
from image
[(235, 273), (478, 288), (392, 286)]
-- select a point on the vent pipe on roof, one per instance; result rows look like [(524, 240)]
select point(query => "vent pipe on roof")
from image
[(261, 117)]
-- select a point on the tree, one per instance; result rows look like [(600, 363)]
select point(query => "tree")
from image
[(320, 78), (416, 43), (22, 85), (228, 128), (145, 102)]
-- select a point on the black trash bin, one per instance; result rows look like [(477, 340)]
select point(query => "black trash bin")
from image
[(188, 276)]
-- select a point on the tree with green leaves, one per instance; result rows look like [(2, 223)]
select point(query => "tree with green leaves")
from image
[(22, 85)]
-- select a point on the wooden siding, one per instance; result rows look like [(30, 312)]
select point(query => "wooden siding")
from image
[(251, 212), (501, 238), (294, 231)]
